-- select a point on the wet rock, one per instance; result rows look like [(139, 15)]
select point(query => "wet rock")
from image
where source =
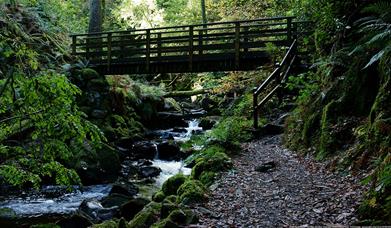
[(143, 150), (124, 188), (208, 122), (115, 200), (103, 167), (96, 211), (149, 171), (179, 130), (75, 221), (168, 151), (132, 207), (7, 214)]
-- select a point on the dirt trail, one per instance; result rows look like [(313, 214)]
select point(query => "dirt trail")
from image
[(297, 191)]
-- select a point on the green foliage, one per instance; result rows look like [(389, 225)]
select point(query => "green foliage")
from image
[(231, 131), (37, 106)]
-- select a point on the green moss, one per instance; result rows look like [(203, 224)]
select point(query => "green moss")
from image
[(88, 74), (148, 216), (207, 178), (170, 199), (326, 140), (165, 223), (311, 125), (49, 225), (171, 186), (192, 191), (158, 196), (217, 162), (183, 217), (107, 224)]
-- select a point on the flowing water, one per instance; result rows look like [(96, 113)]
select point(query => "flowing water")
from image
[(68, 203)]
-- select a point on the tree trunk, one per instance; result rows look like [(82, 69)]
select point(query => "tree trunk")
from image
[(95, 24), (203, 11), (187, 93)]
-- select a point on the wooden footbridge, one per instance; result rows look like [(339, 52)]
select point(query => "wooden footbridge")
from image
[(221, 46)]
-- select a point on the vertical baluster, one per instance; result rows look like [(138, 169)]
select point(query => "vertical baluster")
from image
[(200, 41), (148, 49), (159, 45), (109, 37), (237, 45), (191, 35), (289, 30), (245, 28)]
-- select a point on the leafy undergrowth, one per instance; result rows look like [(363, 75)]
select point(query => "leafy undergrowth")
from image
[(42, 128)]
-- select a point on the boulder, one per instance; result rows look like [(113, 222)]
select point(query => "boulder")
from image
[(115, 200), (146, 217), (96, 211), (158, 197), (75, 221), (169, 151), (143, 150), (7, 214), (132, 207), (208, 122), (170, 187), (124, 188)]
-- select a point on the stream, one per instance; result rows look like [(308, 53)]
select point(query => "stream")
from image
[(42, 204)]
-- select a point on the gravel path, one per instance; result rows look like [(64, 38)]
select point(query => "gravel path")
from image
[(296, 192)]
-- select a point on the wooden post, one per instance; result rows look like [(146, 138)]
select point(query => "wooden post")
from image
[(191, 36), (237, 45), (200, 41), (289, 30), (255, 108), (74, 40), (148, 50), (88, 47), (245, 39), (159, 45), (109, 37)]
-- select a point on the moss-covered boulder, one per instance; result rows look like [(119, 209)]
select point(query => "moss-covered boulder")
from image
[(131, 208), (148, 216), (171, 186), (217, 162), (158, 196), (192, 191)]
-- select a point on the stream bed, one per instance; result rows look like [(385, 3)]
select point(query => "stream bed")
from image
[(33, 205)]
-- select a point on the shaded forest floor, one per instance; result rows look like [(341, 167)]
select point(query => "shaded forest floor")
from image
[(297, 191)]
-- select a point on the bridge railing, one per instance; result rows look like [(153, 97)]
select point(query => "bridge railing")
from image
[(278, 76), (232, 39)]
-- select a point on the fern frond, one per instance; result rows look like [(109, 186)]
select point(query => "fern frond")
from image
[(381, 7)]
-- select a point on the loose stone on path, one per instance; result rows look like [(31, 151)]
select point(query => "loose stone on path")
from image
[(295, 191)]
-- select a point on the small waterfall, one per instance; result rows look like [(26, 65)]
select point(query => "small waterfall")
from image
[(156, 151)]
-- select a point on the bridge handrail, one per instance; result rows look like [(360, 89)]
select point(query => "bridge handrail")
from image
[(279, 75), (186, 26)]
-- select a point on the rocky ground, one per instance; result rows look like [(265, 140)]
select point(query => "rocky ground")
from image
[(271, 186)]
